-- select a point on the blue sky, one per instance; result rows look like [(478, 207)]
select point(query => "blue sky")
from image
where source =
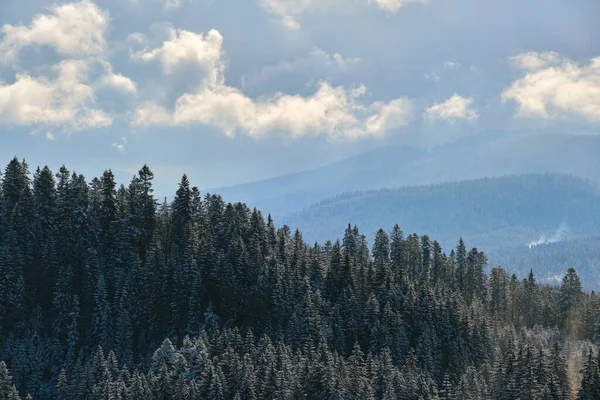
[(231, 91)]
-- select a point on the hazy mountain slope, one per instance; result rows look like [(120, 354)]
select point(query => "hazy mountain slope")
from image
[(490, 213), (368, 170), (550, 260), (486, 155)]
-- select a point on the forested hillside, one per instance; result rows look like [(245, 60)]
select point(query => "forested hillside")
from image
[(107, 295), (492, 213), (559, 214), (551, 260)]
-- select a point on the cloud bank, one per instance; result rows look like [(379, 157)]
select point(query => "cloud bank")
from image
[(554, 86), (336, 112), (75, 86), (62, 94), (65, 94)]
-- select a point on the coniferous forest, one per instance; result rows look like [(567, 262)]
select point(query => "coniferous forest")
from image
[(107, 293)]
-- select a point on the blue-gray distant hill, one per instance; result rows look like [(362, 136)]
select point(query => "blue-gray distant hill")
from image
[(544, 222), (490, 213), (490, 154), (549, 261)]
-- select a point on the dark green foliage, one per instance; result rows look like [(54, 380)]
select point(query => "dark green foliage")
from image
[(106, 295), (590, 383)]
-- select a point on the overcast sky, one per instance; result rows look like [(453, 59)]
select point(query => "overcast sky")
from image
[(231, 91)]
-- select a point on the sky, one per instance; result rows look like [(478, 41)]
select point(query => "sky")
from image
[(231, 91)]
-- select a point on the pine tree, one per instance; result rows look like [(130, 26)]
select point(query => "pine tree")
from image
[(438, 263), (570, 298), (138, 388), (5, 381), (381, 258), (397, 254), (62, 386), (14, 184), (447, 391), (45, 233), (530, 301), (557, 367), (13, 394), (528, 375), (590, 381), (461, 265), (498, 293)]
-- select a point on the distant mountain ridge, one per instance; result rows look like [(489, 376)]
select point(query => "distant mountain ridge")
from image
[(492, 154), (555, 178), (489, 212)]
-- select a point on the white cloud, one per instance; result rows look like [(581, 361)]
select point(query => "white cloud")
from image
[(290, 11), (187, 47), (331, 111), (120, 146), (50, 136), (451, 65), (152, 114), (533, 61), (63, 100), (136, 37), (389, 116), (119, 82), (453, 109), (554, 87), (72, 29)]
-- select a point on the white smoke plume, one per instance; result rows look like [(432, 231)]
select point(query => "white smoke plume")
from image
[(557, 236)]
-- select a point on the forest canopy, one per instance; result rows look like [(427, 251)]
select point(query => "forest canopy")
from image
[(107, 294)]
